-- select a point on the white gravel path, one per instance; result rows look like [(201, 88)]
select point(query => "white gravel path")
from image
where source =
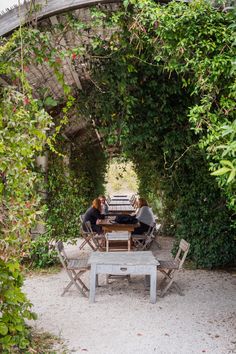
[(123, 321)]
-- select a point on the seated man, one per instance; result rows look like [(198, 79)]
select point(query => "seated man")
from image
[(145, 217), (93, 214)]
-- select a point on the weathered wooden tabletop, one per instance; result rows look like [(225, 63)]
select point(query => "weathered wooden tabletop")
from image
[(123, 258), (121, 208)]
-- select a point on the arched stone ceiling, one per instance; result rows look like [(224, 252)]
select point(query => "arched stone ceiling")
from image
[(11, 19), (50, 14), (40, 76)]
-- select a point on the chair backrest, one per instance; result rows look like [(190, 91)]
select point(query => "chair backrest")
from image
[(150, 234), (92, 234), (149, 237), (134, 201), (88, 226), (62, 254), (182, 252), (83, 226), (132, 198), (81, 217)]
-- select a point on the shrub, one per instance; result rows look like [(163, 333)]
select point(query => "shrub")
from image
[(14, 309)]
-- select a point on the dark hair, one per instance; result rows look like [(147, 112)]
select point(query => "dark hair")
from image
[(142, 202)]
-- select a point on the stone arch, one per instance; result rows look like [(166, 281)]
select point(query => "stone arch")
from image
[(11, 19)]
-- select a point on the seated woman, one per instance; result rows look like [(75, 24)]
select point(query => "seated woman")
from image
[(104, 205), (145, 217), (93, 214)]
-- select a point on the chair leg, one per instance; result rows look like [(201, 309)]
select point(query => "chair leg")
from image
[(69, 285), (101, 246), (77, 286), (178, 289), (94, 248), (166, 288), (138, 245), (166, 276), (82, 284), (80, 289), (77, 277), (82, 244), (169, 276), (87, 240), (74, 280)]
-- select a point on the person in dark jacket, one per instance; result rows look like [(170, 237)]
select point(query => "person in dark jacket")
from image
[(93, 214)]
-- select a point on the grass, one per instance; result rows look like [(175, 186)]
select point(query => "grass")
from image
[(45, 343), (42, 343), (41, 271)]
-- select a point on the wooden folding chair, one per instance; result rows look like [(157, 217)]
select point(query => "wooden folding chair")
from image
[(87, 236), (133, 201), (169, 268), (74, 268), (97, 242), (143, 242)]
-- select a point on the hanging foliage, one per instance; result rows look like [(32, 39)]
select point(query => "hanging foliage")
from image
[(22, 135), (163, 84), (161, 90), (72, 186)]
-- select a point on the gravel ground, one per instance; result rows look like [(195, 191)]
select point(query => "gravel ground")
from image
[(122, 320)]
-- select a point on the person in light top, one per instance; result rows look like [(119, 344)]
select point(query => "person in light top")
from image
[(145, 217), (104, 205)]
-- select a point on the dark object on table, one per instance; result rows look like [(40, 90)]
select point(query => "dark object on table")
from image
[(126, 219)]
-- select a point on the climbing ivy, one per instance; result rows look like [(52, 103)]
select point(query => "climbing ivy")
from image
[(24, 127), (72, 187), (21, 121), (161, 91), (164, 97)]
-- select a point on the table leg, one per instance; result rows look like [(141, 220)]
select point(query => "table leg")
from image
[(107, 244), (147, 281), (92, 283), (129, 244), (153, 286)]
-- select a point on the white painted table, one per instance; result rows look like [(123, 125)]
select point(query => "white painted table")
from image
[(123, 263)]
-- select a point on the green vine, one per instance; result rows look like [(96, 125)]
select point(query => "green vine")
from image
[(163, 96), (160, 90)]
